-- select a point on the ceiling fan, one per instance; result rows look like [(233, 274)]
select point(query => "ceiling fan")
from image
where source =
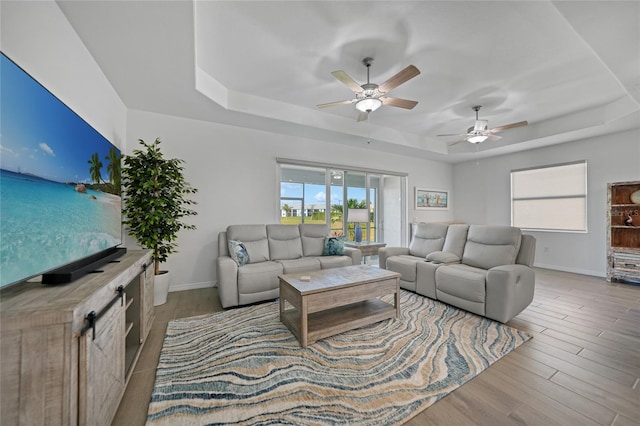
[(480, 132), (371, 96)]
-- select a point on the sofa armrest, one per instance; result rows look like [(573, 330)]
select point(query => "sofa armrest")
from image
[(354, 253), (442, 257), (510, 290), (386, 252), (227, 272)]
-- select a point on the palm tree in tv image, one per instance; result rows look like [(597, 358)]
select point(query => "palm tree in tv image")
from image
[(113, 168), (94, 170)]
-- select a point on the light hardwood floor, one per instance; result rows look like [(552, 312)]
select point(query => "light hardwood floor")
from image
[(582, 366)]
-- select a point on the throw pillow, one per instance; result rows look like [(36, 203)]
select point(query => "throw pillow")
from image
[(238, 252), (333, 246)]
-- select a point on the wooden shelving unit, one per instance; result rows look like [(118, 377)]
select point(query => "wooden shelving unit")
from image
[(623, 232)]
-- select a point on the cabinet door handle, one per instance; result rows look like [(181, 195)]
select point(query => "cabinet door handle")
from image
[(120, 291), (92, 317), (632, 265)]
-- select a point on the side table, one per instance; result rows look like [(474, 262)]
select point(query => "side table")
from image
[(368, 248)]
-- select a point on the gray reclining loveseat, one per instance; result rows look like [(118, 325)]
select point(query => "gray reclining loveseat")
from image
[(272, 250), (482, 269)]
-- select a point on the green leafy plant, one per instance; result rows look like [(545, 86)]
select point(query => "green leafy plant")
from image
[(156, 200)]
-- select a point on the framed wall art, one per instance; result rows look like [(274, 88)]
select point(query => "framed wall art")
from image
[(431, 199)]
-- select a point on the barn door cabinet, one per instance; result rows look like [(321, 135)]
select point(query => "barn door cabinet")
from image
[(623, 232), (67, 351)]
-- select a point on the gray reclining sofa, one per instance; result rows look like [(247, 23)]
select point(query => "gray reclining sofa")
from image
[(272, 250), (483, 269)]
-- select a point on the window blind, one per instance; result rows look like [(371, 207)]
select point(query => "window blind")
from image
[(552, 198)]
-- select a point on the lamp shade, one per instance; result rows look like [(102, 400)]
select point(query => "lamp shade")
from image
[(357, 215), (368, 104)]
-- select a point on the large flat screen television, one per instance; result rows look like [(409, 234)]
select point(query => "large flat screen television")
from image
[(60, 205)]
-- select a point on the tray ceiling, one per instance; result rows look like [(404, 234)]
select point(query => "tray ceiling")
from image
[(571, 69)]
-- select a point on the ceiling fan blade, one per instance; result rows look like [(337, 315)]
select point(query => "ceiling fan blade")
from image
[(397, 102), (363, 116), (456, 142), (347, 81), (492, 137), (508, 126), (395, 81), (330, 104)]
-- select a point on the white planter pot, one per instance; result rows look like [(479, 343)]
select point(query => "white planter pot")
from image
[(161, 288)]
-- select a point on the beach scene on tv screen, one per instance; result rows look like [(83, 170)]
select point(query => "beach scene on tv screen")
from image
[(60, 181)]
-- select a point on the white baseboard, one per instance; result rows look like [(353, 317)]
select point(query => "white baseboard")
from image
[(572, 270), (191, 286)]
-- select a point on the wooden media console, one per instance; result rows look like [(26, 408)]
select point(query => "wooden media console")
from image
[(67, 351)]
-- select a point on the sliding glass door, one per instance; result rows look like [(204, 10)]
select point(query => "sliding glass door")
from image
[(302, 195), (336, 197), (315, 194)]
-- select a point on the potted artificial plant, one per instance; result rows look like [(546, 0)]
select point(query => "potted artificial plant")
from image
[(156, 200)]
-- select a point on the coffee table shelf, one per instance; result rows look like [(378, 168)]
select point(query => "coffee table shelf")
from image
[(337, 300), (338, 320)]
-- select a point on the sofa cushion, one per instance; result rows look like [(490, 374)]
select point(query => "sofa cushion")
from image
[(254, 238), (259, 277), (333, 246), (238, 252), (405, 265), (456, 239), (304, 264), (284, 242), (427, 237), (466, 282), (328, 262), (462, 286), (312, 236), (489, 246)]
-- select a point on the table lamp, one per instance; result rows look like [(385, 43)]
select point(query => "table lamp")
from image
[(358, 216)]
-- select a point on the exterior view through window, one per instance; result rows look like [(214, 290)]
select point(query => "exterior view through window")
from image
[(324, 194)]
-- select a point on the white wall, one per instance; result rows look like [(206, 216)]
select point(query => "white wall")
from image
[(235, 172), (38, 37), (483, 195)]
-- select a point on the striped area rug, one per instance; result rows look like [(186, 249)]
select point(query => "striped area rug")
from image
[(243, 366)]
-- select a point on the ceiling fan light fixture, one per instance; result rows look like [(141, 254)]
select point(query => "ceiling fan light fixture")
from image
[(480, 126), (368, 104), (477, 138)]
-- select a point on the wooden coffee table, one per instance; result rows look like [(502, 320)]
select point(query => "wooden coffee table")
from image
[(336, 300)]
